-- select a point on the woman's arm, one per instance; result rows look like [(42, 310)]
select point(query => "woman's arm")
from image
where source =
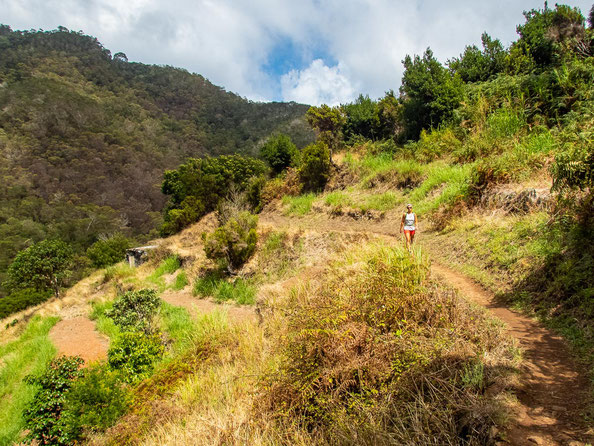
[(402, 222)]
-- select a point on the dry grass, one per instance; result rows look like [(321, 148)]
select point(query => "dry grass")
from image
[(377, 353)]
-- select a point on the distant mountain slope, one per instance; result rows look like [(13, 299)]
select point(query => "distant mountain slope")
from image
[(85, 138)]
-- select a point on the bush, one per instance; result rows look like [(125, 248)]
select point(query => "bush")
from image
[(289, 184), (134, 353), (44, 266), (189, 211), (22, 299), (94, 402), (376, 354), (315, 167), (232, 244), (135, 310), (253, 194), (43, 416), (107, 252), (280, 153)]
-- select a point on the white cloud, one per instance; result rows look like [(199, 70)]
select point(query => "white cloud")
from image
[(318, 84)]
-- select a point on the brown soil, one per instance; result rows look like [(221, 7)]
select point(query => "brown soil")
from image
[(205, 306), (553, 391), (78, 337)]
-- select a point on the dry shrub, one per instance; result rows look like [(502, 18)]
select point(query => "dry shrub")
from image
[(278, 187), (379, 354)]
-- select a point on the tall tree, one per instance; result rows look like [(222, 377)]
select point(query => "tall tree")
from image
[(328, 122), (430, 93), (475, 65)]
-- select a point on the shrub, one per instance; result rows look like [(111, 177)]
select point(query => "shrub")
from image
[(94, 402), (253, 193), (280, 153), (22, 299), (232, 244), (315, 167), (135, 310), (189, 211), (289, 184), (44, 265), (43, 416), (376, 354), (134, 353), (107, 252)]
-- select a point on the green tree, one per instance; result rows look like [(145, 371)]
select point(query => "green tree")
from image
[(328, 122), (109, 251), (389, 111), (430, 93), (280, 153), (362, 118), (197, 186), (548, 34), (475, 65), (314, 171), (44, 265)]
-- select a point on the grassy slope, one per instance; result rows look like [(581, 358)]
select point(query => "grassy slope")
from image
[(27, 353), (452, 176)]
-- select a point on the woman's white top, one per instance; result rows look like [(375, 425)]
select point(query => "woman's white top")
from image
[(409, 221)]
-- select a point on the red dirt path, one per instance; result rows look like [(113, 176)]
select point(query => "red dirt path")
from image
[(78, 337)]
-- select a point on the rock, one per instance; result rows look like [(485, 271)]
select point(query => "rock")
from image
[(137, 256), (536, 440), (514, 201)]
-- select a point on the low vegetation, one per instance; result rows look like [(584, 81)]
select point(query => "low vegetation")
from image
[(383, 355)]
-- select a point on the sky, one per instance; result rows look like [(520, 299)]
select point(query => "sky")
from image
[(308, 51)]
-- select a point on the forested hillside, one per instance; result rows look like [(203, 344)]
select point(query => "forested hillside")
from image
[(85, 137)]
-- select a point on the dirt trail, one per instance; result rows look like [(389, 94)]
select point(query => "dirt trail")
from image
[(193, 304), (78, 337), (553, 388)]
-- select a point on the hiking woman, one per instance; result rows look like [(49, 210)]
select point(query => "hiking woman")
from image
[(409, 224)]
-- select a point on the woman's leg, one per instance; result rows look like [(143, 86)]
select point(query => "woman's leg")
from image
[(407, 236)]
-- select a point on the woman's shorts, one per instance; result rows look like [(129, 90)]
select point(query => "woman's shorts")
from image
[(410, 231)]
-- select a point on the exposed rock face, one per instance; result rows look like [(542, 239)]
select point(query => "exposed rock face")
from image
[(518, 201), (137, 256)]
